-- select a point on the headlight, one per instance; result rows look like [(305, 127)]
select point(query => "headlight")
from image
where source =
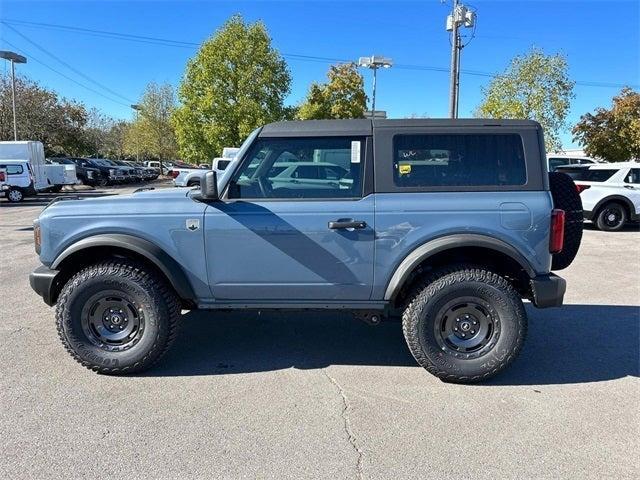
[(112, 172)]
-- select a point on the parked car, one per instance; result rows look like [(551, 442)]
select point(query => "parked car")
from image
[(302, 175), (454, 246), (4, 187), (610, 193), (148, 173), (112, 173), (556, 160), (86, 174), (19, 181), (155, 164), (33, 153)]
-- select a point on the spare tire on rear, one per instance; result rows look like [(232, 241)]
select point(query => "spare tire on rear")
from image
[(566, 197)]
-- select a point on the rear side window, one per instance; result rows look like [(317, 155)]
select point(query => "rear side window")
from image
[(557, 162), (633, 176), (13, 169), (595, 175), (437, 160)]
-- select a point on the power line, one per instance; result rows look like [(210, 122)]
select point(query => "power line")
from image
[(73, 69), (300, 57), (71, 79)]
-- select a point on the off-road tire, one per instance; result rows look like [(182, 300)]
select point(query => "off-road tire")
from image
[(15, 195), (615, 208), (566, 197), (158, 303), (422, 313)]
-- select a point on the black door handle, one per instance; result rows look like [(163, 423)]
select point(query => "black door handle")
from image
[(629, 187), (338, 224)]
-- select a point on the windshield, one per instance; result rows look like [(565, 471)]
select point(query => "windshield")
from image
[(228, 172), (101, 161)]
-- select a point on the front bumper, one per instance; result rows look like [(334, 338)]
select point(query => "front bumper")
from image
[(43, 282), (548, 290)]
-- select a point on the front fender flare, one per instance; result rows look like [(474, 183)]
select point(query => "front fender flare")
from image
[(152, 252), (448, 242)]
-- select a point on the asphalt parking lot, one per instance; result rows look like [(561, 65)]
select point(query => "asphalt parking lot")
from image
[(304, 395)]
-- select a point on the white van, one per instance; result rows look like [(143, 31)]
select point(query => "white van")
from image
[(31, 152)]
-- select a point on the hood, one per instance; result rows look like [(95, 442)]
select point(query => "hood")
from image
[(144, 201)]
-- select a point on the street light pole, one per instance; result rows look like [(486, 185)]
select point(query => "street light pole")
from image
[(374, 62), (13, 58), (13, 99), (136, 107)]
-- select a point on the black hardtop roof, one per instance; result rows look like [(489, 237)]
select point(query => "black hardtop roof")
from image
[(299, 128)]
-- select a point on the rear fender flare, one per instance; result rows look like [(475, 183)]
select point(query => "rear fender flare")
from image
[(429, 249)]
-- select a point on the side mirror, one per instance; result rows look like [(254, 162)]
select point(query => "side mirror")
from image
[(209, 186)]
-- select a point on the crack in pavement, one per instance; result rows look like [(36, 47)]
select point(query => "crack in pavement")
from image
[(347, 424)]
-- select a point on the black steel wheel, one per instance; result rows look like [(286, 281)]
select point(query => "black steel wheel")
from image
[(112, 321), (466, 326), (611, 217)]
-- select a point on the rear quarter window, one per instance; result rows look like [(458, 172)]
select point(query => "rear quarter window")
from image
[(458, 160), (13, 169), (597, 175)]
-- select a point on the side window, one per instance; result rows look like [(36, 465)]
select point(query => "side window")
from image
[(633, 176), (599, 175), (13, 169), (276, 168), (437, 160), (556, 162)]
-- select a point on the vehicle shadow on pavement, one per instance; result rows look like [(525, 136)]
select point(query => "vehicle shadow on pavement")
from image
[(577, 344), (574, 344)]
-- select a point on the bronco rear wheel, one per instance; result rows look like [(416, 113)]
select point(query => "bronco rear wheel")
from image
[(464, 324), (117, 317)]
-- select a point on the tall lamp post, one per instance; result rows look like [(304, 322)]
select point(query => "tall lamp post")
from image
[(374, 62), (13, 58), (140, 110), (137, 109)]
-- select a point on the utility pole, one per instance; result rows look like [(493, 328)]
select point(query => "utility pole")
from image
[(453, 81), (460, 16), (13, 58)]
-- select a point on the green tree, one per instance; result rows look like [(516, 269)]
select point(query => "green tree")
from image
[(236, 82), (42, 115), (612, 135), (341, 97), (535, 86), (151, 134)]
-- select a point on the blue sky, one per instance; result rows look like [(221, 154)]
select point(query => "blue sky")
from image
[(600, 39)]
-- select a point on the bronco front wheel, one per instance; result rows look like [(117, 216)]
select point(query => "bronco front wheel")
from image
[(117, 317), (464, 324)]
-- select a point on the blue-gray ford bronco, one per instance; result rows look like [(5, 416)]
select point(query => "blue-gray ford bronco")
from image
[(448, 224)]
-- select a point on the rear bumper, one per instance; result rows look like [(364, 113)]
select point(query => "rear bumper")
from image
[(42, 281), (548, 290)]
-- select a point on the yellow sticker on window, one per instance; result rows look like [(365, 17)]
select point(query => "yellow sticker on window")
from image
[(404, 169)]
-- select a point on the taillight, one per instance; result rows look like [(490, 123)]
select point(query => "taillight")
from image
[(582, 188), (2, 177), (174, 173), (556, 235)]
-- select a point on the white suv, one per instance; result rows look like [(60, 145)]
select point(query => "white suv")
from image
[(610, 193)]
